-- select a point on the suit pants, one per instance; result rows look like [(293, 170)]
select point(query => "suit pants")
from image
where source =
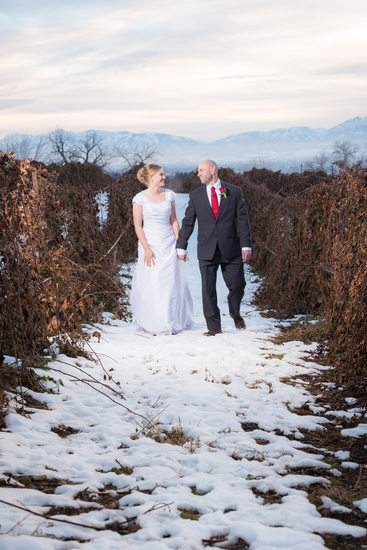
[(233, 275)]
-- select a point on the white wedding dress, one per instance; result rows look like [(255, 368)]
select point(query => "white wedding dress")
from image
[(160, 298)]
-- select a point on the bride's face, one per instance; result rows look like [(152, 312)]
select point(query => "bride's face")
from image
[(157, 180)]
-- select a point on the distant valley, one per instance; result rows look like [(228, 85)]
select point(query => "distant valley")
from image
[(285, 149)]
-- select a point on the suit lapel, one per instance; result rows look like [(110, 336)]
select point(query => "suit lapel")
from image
[(206, 203), (223, 199)]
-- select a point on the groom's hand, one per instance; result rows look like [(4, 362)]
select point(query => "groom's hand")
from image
[(246, 255)]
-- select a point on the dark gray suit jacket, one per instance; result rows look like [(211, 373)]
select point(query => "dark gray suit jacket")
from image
[(231, 230)]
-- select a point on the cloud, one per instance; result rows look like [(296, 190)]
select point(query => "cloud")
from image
[(347, 70), (156, 65), (9, 103)]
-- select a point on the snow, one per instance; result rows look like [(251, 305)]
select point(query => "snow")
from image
[(342, 455), (358, 431), (350, 413), (334, 506), (227, 394), (351, 400), (102, 204), (361, 504), (350, 465)]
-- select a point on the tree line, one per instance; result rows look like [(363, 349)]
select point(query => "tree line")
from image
[(342, 155), (61, 147)]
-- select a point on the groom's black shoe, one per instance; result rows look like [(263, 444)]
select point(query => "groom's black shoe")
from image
[(239, 323), (212, 332)]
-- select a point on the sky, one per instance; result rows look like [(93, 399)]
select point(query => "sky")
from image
[(203, 69)]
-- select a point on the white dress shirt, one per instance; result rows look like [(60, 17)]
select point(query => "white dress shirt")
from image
[(216, 186)]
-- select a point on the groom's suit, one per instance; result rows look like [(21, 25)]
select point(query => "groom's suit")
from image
[(219, 243)]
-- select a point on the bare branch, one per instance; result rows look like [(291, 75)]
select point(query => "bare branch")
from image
[(343, 153), (88, 149), (318, 162), (52, 518), (25, 147), (133, 155), (114, 526), (61, 145), (148, 422)]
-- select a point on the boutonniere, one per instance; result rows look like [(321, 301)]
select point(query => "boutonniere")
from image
[(222, 192)]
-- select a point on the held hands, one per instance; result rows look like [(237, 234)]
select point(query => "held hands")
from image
[(183, 257), (149, 257)]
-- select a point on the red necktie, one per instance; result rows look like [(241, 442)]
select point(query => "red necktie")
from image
[(215, 204)]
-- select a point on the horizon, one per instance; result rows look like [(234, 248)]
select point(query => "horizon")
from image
[(205, 69), (147, 132)]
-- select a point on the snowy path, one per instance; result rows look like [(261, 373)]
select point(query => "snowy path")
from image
[(227, 395)]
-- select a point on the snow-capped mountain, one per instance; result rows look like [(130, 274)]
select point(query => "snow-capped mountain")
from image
[(294, 133), (282, 148), (353, 129)]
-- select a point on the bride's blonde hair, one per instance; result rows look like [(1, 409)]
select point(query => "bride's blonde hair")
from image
[(145, 173)]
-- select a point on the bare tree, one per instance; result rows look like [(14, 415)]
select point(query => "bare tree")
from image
[(318, 162), (26, 147), (88, 149), (343, 153), (137, 154), (61, 145), (91, 150)]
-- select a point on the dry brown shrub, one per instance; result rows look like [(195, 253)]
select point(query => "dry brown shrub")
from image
[(310, 242), (59, 268), (346, 310), (120, 225)]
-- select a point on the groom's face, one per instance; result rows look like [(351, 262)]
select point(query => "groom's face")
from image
[(205, 173)]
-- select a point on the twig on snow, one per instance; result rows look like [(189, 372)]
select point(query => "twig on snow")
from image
[(147, 420), (45, 516), (78, 524), (17, 523), (90, 376)]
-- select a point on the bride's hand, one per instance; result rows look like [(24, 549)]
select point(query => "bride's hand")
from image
[(149, 257)]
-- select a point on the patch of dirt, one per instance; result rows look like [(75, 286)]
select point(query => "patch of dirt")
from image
[(71, 510), (302, 330), (249, 426), (271, 497), (108, 496), (346, 542), (261, 441), (33, 403), (191, 514), (40, 483), (124, 528), (64, 431), (307, 471), (220, 542)]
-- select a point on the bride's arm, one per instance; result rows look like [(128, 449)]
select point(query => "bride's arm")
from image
[(138, 225), (173, 220)]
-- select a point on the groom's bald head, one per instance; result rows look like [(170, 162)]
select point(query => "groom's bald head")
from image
[(208, 171), (210, 164)]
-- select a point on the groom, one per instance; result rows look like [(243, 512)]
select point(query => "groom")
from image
[(223, 240)]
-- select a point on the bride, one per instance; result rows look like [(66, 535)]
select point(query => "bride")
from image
[(160, 297)]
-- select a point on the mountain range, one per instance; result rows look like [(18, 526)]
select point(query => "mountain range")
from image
[(280, 149)]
